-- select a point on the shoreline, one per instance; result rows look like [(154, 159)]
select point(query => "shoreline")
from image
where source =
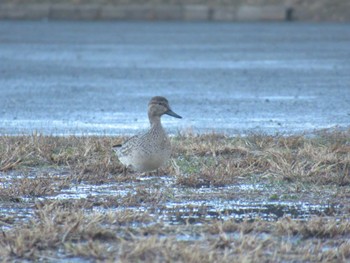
[(240, 11)]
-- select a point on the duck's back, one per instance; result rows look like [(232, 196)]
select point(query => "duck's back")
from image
[(146, 152)]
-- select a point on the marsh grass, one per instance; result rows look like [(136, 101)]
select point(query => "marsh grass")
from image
[(210, 159), (114, 236), (42, 184), (218, 160), (82, 155), (125, 227)]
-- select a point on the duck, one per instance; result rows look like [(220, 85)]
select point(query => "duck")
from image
[(150, 150)]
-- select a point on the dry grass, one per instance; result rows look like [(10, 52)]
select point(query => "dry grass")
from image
[(51, 227), (218, 160), (125, 227), (42, 185), (210, 159), (87, 158), (316, 227), (114, 236)]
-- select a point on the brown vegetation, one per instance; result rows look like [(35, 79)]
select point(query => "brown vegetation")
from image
[(218, 159), (211, 158), (114, 236), (131, 226)]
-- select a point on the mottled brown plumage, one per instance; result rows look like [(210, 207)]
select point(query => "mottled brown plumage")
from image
[(149, 151)]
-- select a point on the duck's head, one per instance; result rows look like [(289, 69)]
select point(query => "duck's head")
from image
[(158, 106)]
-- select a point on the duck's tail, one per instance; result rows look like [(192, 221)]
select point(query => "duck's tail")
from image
[(116, 147)]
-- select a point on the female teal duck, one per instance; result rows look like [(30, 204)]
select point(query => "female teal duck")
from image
[(149, 151)]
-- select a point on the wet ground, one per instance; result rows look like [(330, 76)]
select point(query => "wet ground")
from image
[(144, 208), (172, 204), (96, 78), (69, 195)]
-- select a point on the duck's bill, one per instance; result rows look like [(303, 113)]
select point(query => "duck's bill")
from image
[(171, 113)]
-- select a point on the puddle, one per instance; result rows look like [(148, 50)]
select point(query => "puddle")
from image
[(15, 213), (180, 205), (85, 190), (196, 212), (191, 205)]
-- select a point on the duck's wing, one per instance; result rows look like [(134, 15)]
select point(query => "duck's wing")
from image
[(124, 148)]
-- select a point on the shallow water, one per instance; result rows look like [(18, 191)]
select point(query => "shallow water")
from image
[(183, 205), (235, 78)]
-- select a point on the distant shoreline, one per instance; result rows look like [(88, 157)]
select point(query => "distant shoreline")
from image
[(156, 10)]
